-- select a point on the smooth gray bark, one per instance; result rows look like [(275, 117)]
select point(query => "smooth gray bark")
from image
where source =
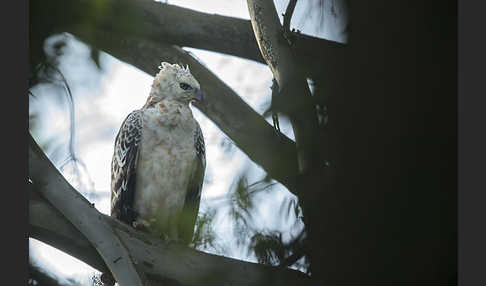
[(82, 215)]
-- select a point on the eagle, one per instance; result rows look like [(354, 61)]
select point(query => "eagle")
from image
[(159, 161)]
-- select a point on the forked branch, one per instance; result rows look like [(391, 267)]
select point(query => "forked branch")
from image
[(293, 89)]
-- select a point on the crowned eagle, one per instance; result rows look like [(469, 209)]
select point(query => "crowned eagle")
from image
[(159, 159)]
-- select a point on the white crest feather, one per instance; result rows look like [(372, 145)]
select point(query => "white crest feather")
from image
[(178, 69)]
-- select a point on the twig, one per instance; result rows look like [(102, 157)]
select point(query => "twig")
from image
[(287, 17), (276, 124), (298, 250)]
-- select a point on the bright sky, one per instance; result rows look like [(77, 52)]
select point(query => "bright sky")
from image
[(103, 100)]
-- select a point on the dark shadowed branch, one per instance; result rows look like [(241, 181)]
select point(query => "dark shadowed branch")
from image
[(164, 23), (165, 263), (295, 100)]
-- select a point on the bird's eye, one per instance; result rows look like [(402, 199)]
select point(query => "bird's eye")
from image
[(185, 86)]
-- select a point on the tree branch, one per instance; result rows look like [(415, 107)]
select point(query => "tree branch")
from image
[(295, 100), (164, 23), (292, 85), (287, 17), (82, 215), (161, 262)]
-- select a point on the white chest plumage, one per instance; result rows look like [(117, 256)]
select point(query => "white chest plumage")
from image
[(167, 158)]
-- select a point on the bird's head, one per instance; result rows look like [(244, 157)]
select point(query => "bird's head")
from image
[(175, 82)]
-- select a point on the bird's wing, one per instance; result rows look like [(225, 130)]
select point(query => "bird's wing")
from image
[(193, 194), (124, 166)]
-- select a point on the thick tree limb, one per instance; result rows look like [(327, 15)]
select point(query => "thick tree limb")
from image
[(82, 215), (162, 263), (295, 100), (164, 23), (292, 85)]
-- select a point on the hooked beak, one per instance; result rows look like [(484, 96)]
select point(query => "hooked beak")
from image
[(197, 94)]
